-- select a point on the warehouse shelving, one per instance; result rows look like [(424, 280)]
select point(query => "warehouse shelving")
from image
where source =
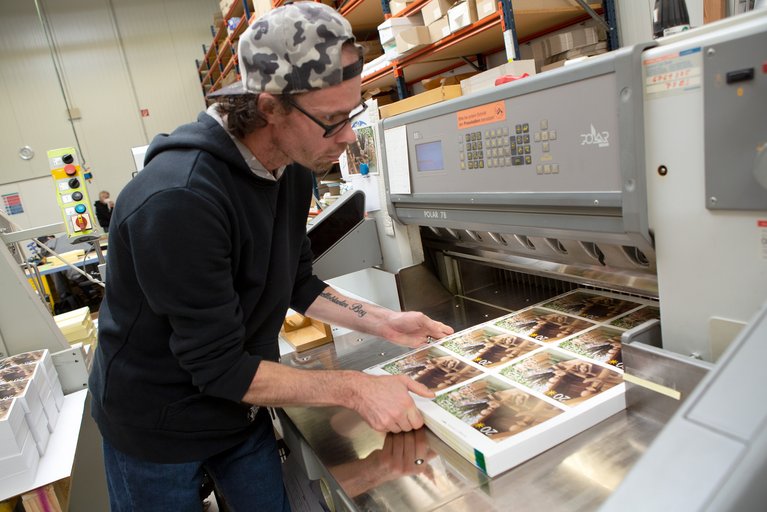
[(472, 43)]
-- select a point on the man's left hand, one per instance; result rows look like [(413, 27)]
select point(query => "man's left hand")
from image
[(413, 329)]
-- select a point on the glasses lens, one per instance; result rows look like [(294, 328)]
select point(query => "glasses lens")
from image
[(334, 129)]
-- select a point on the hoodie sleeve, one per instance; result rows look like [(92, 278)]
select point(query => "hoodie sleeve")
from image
[(180, 245), (308, 286)]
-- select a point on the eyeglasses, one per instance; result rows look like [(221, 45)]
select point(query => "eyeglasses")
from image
[(331, 129)]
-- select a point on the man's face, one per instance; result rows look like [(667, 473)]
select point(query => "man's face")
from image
[(302, 139)]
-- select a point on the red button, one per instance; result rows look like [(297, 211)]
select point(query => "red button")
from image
[(764, 67), (70, 169)]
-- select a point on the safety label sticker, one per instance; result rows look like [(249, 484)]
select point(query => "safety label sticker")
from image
[(673, 73)]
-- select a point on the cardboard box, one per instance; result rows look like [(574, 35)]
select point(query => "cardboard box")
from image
[(411, 38), (420, 100), (435, 10), (486, 79), (574, 39), (438, 81), (462, 15), (486, 7), (392, 26), (373, 49), (439, 29), (396, 6)]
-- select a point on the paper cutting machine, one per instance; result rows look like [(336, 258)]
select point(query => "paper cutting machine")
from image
[(641, 171)]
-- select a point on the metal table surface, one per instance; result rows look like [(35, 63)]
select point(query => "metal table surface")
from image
[(375, 471)]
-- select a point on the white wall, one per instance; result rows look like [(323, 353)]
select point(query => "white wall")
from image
[(115, 58)]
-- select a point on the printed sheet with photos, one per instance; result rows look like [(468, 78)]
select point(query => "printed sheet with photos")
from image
[(513, 387)]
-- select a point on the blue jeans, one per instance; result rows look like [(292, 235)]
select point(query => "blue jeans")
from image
[(247, 476)]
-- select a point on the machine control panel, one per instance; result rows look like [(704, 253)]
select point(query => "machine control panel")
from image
[(71, 192), (553, 140)]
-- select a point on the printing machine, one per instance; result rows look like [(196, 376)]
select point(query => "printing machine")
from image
[(642, 171)]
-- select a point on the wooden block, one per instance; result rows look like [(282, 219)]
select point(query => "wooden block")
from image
[(314, 334), (43, 499), (295, 322)]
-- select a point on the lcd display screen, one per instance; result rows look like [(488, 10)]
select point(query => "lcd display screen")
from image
[(429, 156)]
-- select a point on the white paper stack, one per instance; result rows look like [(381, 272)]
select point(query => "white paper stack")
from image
[(518, 385), (43, 359), (30, 380), (19, 456), (77, 326)]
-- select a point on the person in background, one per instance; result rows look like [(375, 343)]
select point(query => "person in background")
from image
[(188, 358), (104, 209)]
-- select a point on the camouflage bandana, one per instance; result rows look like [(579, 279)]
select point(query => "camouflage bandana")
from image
[(292, 49)]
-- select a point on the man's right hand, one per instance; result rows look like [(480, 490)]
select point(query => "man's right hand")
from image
[(385, 404)]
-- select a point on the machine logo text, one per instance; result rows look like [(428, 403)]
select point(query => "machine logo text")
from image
[(435, 214), (601, 139)]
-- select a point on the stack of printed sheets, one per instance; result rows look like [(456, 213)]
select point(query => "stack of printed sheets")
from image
[(515, 386)]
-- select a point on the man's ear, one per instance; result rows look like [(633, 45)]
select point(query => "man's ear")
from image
[(270, 107)]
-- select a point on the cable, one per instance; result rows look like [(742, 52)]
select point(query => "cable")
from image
[(59, 74)]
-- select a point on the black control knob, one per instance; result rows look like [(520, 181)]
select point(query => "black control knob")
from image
[(77, 196), (67, 159), (74, 183)]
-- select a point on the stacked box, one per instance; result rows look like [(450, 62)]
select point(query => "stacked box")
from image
[(19, 456), (77, 326), (485, 8), (43, 359), (225, 5), (486, 79), (33, 381), (26, 393), (396, 6), (439, 29), (435, 10), (391, 27), (576, 38), (462, 15), (411, 39)]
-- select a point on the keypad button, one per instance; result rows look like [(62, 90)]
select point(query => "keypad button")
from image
[(525, 128), (552, 135), (528, 160), (527, 139), (539, 169), (527, 150), (554, 168), (544, 135), (547, 169), (545, 147), (537, 136), (545, 124)]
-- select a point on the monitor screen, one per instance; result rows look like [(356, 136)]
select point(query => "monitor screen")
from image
[(429, 156)]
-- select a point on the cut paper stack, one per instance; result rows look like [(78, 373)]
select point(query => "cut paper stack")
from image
[(77, 326), (30, 400), (511, 388)]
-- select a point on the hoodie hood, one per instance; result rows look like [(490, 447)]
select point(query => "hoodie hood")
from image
[(205, 135)]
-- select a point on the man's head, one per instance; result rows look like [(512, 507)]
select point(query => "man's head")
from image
[(103, 196), (300, 69)]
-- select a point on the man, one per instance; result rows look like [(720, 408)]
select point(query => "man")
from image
[(207, 250), (104, 209)]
